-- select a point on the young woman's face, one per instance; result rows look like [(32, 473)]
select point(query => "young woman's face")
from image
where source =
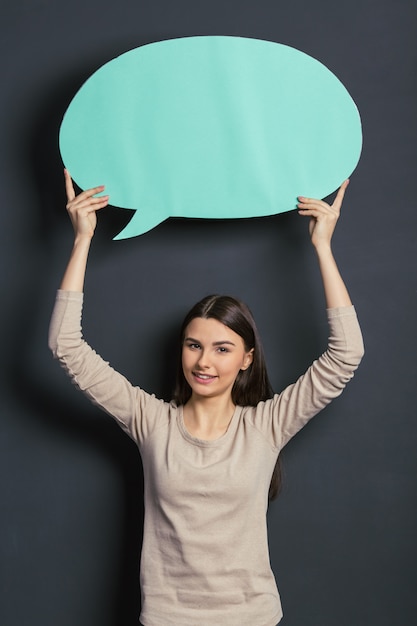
[(212, 356)]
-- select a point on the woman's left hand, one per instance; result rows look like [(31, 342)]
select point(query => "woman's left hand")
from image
[(323, 216)]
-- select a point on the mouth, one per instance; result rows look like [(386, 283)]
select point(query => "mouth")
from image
[(203, 378)]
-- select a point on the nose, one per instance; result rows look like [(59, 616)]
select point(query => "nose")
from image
[(203, 360)]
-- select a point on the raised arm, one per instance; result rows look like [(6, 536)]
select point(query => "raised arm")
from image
[(135, 410), (82, 211), (323, 219)]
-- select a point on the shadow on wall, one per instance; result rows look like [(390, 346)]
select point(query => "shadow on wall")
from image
[(86, 427), (92, 430)]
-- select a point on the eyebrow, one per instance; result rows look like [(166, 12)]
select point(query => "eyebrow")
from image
[(215, 343)]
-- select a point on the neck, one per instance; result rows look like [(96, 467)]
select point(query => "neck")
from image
[(208, 418)]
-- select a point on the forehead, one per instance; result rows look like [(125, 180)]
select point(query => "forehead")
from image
[(211, 330)]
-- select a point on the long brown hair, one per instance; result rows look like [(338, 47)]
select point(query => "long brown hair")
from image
[(251, 385)]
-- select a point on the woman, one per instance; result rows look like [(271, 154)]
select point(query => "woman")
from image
[(209, 455)]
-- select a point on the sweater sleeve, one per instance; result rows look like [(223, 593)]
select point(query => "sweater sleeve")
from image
[(135, 410), (286, 413)]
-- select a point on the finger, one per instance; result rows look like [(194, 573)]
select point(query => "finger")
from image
[(87, 195), (310, 213), (313, 202), (69, 187), (88, 204), (321, 209), (320, 203), (315, 205), (340, 195), (319, 216), (82, 200)]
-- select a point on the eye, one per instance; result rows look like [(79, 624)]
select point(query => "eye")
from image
[(193, 346), (222, 349)]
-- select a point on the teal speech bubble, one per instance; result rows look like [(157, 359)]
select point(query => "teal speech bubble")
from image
[(210, 127)]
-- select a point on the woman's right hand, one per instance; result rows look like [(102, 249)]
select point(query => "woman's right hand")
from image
[(82, 208)]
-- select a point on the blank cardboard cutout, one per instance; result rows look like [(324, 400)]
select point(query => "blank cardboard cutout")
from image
[(210, 127)]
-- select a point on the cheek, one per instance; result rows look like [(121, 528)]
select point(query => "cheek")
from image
[(183, 359), (186, 359), (235, 367)]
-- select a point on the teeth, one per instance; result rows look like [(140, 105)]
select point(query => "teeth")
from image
[(205, 376)]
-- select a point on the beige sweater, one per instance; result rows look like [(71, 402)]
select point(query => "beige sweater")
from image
[(205, 557)]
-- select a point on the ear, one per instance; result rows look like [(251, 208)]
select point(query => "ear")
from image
[(247, 361)]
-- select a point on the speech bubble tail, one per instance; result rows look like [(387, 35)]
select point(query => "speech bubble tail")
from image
[(140, 223)]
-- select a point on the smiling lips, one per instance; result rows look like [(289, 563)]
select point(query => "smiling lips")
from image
[(203, 378)]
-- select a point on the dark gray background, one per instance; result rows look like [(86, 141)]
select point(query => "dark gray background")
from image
[(342, 533)]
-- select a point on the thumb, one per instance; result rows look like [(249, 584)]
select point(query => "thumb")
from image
[(340, 195), (69, 187)]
